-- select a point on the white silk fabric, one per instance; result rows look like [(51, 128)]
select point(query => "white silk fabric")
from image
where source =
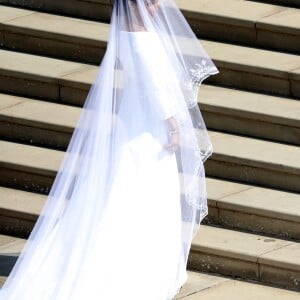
[(121, 215)]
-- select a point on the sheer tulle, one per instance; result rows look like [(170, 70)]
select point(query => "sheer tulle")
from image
[(120, 217)]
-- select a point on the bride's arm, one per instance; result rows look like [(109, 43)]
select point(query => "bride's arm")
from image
[(172, 124)]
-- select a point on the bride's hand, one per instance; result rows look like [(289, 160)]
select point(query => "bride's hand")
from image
[(174, 141), (173, 135)]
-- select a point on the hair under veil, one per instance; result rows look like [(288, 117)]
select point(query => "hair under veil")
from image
[(172, 70)]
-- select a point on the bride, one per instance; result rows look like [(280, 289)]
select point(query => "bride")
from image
[(130, 193)]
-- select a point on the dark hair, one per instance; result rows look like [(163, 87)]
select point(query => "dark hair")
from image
[(125, 3)]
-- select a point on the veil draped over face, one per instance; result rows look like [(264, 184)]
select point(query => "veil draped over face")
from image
[(167, 69)]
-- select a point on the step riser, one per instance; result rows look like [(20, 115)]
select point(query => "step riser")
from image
[(50, 90), (29, 181), (227, 33), (84, 9), (15, 226), (34, 136), (251, 127), (73, 95), (220, 168), (27, 87), (206, 262), (257, 82), (277, 41), (291, 3), (250, 222), (78, 51)]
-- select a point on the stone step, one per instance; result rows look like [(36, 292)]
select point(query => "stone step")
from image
[(42, 77), (251, 114), (69, 82), (231, 204), (37, 122), (253, 208), (95, 10), (53, 35), (199, 284), (258, 115), (27, 167), (246, 255), (270, 72), (255, 161), (19, 211), (217, 250), (238, 158), (246, 22)]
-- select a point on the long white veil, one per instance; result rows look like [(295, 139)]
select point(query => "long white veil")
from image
[(174, 70)]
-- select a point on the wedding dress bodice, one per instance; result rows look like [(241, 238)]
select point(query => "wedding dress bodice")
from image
[(147, 71)]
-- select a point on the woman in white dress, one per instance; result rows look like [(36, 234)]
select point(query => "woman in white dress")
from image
[(130, 194)]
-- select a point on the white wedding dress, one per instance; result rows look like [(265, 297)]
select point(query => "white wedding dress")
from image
[(138, 254)]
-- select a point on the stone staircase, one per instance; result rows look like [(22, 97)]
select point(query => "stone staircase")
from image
[(49, 56)]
